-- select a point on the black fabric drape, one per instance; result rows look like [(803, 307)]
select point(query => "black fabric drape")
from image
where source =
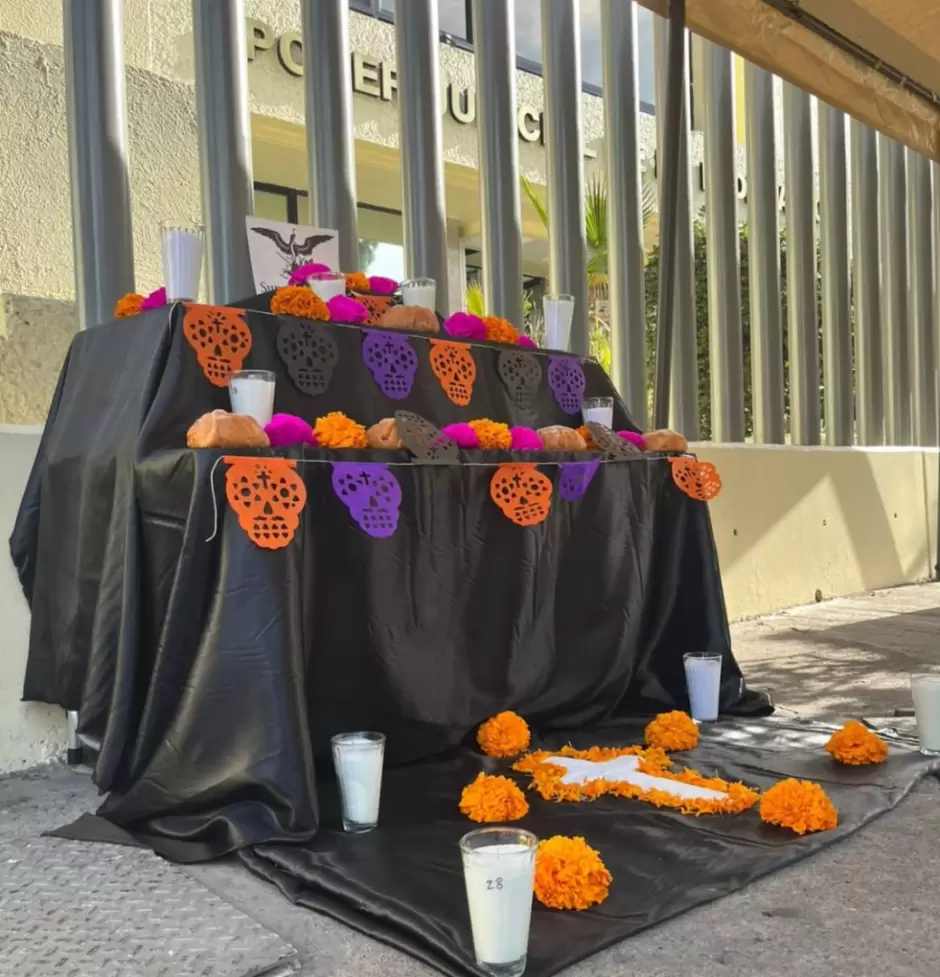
[(214, 672)]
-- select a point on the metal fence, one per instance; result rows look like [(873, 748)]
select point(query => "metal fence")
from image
[(853, 358)]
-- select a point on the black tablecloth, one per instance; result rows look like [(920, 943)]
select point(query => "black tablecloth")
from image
[(215, 672)]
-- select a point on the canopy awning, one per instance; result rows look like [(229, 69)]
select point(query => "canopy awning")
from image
[(878, 60)]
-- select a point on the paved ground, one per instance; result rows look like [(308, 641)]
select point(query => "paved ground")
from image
[(864, 908)]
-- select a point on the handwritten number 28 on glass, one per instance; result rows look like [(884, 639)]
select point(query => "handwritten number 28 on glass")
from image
[(494, 884)]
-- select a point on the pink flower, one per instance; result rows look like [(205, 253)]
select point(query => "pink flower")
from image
[(463, 325), (525, 439), (463, 434), (155, 300), (633, 437), (382, 286), (300, 275), (343, 309), (287, 429), (527, 342)]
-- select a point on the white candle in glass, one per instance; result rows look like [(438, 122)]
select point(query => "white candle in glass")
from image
[(419, 291), (558, 311), (599, 410), (703, 679), (182, 261), (251, 392), (358, 758), (328, 284), (925, 690)]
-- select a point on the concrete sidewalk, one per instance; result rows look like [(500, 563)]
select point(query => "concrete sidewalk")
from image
[(864, 908)]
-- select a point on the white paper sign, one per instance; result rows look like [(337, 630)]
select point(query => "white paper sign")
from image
[(277, 248)]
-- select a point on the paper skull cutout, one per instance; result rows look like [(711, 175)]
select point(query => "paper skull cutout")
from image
[(522, 492), (576, 476), (424, 440), (611, 443), (455, 368), (566, 378), (268, 496), (392, 361), (698, 479), (372, 495), (522, 374), (310, 354), (377, 305), (221, 339)]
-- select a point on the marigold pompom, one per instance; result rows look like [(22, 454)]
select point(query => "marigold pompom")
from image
[(504, 735), (299, 301), (336, 430), (492, 435), (672, 731), (357, 281), (464, 325), (569, 874), (128, 305), (300, 274), (463, 434), (500, 330), (493, 799), (382, 286), (857, 745), (527, 342), (155, 300), (800, 805), (525, 439)]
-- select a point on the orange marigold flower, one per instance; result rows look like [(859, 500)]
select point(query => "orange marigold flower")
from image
[(336, 430), (492, 435), (588, 440), (500, 330), (569, 874), (357, 281), (299, 301), (493, 799), (128, 305), (504, 735), (672, 731), (800, 805), (857, 745)]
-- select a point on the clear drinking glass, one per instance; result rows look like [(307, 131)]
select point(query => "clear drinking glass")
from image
[(419, 291), (251, 392), (925, 689), (182, 260), (328, 284), (558, 311), (600, 410), (499, 873), (358, 758), (703, 680)]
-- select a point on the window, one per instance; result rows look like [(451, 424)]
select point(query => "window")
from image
[(454, 16)]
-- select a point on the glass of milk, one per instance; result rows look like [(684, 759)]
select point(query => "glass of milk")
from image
[(328, 284), (358, 759), (600, 410), (925, 689), (251, 392), (419, 291), (499, 872), (703, 680), (182, 261), (558, 311)]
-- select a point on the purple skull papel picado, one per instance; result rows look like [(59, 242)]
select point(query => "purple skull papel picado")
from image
[(371, 493), (566, 378), (392, 361)]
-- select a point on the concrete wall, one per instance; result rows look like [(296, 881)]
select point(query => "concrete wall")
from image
[(29, 733)]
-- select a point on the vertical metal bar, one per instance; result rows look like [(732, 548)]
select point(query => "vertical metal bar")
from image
[(73, 743), (803, 327), (419, 138), (495, 59), (763, 257), (923, 349), (725, 341), (869, 383), (834, 262), (561, 72), (678, 399), (624, 208), (224, 144), (892, 232), (96, 110), (331, 163)]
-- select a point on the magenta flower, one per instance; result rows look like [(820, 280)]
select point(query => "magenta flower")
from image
[(287, 429), (463, 325), (155, 300), (633, 437), (525, 439), (382, 286), (463, 434), (343, 309), (527, 342), (300, 275)]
